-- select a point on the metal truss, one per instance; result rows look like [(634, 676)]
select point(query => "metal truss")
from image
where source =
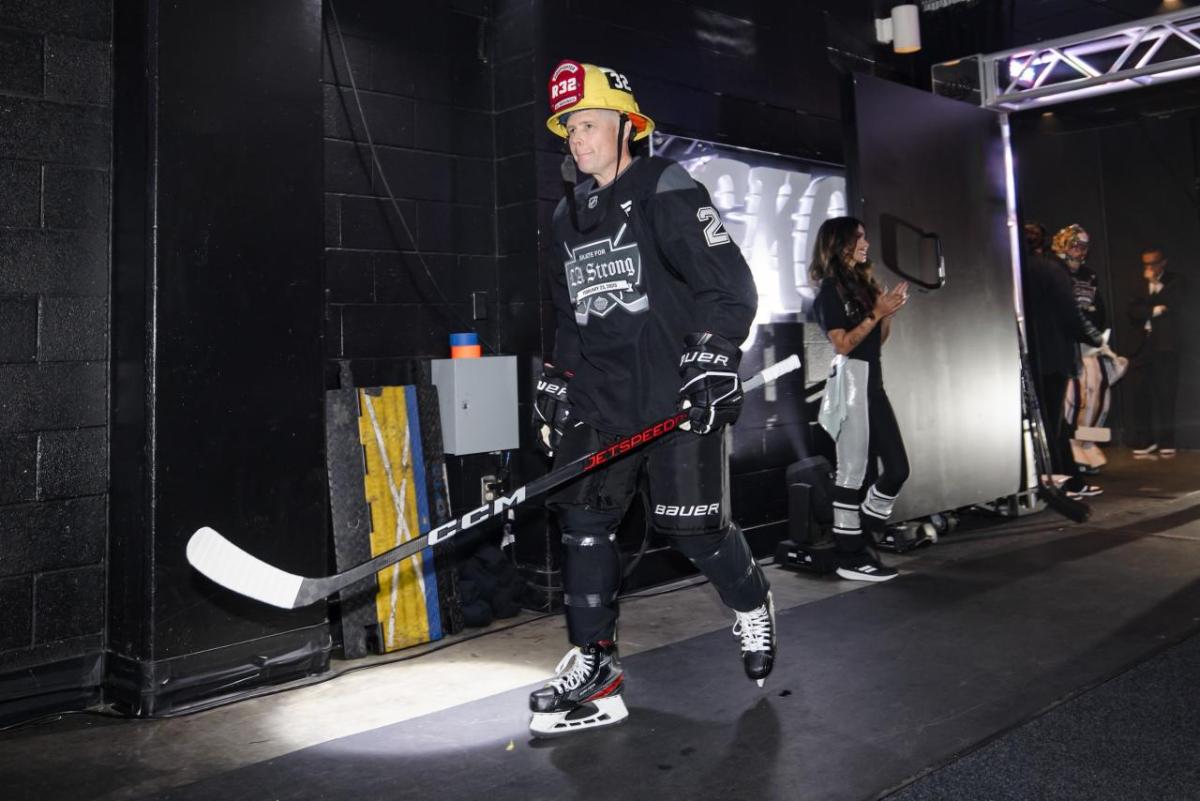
[(1148, 52)]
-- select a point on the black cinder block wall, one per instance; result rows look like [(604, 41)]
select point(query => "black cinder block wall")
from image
[(404, 272), (55, 157), (424, 84)]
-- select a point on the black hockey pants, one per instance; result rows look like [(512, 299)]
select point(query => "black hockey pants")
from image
[(686, 481)]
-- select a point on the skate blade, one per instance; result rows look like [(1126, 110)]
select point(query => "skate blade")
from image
[(594, 715)]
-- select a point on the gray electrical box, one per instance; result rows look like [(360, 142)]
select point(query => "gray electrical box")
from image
[(478, 403)]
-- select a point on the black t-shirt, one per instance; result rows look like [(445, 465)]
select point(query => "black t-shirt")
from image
[(657, 266), (832, 311)]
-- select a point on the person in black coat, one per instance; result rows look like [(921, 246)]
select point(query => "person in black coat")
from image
[(1156, 311), (1055, 325)]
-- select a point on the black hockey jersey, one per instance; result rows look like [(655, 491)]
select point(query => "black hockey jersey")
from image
[(653, 264), (1086, 287)]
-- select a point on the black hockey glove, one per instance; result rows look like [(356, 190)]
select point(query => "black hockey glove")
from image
[(711, 391), (551, 414)]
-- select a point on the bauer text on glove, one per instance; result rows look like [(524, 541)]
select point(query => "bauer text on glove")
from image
[(711, 390), (551, 412)]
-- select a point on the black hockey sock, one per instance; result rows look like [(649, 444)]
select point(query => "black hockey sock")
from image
[(847, 522)]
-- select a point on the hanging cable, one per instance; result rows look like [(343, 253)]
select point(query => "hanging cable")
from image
[(387, 186)]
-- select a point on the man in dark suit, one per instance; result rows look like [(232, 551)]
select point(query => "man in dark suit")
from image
[(1156, 311), (1055, 326)]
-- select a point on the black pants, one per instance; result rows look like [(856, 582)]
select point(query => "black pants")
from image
[(686, 484), (1051, 393), (1155, 381), (869, 435)]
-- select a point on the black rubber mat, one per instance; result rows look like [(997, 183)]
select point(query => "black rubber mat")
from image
[(872, 688), (1132, 738)]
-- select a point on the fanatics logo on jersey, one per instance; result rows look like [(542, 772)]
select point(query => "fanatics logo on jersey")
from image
[(627, 207), (604, 275)]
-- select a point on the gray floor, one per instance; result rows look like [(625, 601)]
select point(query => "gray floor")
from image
[(878, 685), (1133, 738)]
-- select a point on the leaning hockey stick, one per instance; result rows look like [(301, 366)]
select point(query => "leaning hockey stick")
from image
[(1058, 500), (237, 570)]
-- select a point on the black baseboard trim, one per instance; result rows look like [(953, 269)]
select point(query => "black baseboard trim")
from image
[(220, 675), (61, 686)]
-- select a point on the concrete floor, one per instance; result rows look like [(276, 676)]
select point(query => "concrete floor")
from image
[(1151, 497)]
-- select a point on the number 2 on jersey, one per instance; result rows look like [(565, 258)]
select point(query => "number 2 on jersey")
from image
[(714, 232)]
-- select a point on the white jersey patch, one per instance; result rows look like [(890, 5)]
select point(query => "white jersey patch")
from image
[(602, 276)]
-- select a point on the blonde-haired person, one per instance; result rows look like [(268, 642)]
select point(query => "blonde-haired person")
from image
[(1089, 391), (855, 312)]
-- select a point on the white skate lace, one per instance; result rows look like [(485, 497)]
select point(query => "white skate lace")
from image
[(577, 675), (754, 628)]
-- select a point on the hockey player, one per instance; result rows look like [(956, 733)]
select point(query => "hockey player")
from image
[(856, 314), (1089, 392), (652, 300), (1055, 327)]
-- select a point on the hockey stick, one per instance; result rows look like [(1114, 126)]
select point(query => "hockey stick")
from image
[(1058, 500), (237, 570)]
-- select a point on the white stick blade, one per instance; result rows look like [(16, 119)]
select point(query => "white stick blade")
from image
[(234, 569)]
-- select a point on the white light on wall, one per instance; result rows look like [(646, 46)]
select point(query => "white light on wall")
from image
[(902, 29)]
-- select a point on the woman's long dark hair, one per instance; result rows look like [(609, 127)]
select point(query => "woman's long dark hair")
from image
[(833, 257)]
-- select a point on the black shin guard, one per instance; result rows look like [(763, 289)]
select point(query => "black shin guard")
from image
[(591, 575), (724, 557)]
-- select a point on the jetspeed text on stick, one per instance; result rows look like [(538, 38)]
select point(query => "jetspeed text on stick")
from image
[(636, 440)]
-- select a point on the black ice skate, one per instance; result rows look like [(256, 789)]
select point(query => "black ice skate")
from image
[(757, 631), (585, 696)]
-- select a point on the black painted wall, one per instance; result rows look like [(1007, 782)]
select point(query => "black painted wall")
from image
[(218, 407), (55, 156), (1131, 186)]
